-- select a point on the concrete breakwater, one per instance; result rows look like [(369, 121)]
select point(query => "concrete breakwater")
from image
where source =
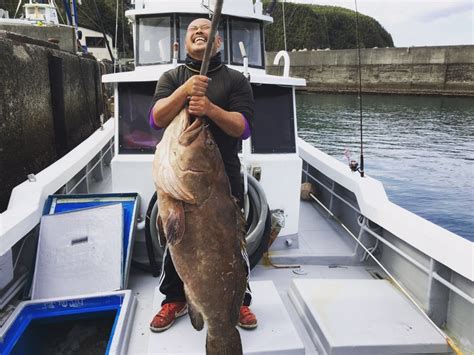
[(445, 70), (50, 101)]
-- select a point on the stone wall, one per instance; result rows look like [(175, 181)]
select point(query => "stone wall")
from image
[(64, 36), (50, 101), (445, 70)]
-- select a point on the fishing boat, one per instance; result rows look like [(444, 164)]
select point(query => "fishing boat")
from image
[(349, 272)]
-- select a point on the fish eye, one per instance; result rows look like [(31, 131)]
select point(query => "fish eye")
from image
[(210, 143)]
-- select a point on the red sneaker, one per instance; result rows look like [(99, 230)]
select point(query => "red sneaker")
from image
[(247, 319), (167, 315)]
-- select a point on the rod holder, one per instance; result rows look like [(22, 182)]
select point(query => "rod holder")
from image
[(286, 62)]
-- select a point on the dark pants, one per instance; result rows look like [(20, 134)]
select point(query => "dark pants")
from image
[(171, 284)]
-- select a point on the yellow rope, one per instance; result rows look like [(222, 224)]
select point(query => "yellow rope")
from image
[(453, 346)]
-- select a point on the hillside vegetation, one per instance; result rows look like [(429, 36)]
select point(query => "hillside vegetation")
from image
[(307, 26), (319, 27)]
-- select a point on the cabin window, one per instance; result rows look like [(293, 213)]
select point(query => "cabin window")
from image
[(274, 120), (154, 40), (250, 33), (95, 42), (135, 134), (183, 23)]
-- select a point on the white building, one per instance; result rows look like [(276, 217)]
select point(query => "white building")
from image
[(95, 43)]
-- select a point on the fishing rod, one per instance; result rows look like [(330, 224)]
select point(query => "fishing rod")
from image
[(447, 338), (353, 165), (216, 15)]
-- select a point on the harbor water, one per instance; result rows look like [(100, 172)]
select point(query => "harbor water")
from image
[(421, 148)]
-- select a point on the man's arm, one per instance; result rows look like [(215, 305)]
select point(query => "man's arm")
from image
[(232, 123), (167, 108)]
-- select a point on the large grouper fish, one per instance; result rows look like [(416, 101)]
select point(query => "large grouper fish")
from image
[(204, 229)]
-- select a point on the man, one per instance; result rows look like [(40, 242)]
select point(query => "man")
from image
[(225, 97)]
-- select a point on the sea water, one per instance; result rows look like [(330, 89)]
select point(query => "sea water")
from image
[(420, 147)]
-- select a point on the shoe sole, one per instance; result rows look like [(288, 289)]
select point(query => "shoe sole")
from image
[(248, 326), (177, 315)]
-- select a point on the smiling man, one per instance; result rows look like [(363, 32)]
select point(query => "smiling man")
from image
[(225, 97)]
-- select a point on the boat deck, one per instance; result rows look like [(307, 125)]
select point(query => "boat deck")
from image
[(325, 253)]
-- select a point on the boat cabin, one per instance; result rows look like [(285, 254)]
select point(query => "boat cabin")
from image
[(270, 154)]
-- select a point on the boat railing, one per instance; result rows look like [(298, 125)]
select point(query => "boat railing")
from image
[(375, 215), (71, 173)]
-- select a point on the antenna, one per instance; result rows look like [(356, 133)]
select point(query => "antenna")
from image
[(284, 24), (361, 168)]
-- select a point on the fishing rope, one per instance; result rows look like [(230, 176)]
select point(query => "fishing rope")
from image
[(103, 31), (361, 169), (284, 24), (449, 341), (116, 33), (327, 31), (17, 8), (86, 14), (123, 29), (266, 260), (57, 10)]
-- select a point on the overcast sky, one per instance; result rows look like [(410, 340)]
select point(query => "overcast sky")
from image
[(417, 22)]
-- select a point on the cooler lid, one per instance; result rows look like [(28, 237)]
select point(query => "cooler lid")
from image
[(85, 244), (79, 252)]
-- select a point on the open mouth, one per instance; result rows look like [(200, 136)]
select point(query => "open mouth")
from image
[(190, 130), (199, 39), (192, 124)]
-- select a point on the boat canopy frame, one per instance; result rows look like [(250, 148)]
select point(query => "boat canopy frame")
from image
[(233, 30)]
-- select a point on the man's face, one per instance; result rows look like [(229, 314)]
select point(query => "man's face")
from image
[(196, 38)]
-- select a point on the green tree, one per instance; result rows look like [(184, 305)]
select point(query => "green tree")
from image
[(315, 27)]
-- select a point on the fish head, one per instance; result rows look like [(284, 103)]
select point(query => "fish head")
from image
[(197, 157)]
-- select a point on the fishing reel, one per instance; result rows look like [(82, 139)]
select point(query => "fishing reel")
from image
[(353, 164)]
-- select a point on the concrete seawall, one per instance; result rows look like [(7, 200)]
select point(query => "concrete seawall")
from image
[(447, 70), (50, 101)]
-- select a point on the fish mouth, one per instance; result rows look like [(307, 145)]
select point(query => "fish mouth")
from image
[(191, 130), (192, 123)]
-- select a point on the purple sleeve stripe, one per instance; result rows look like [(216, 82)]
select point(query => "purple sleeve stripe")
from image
[(246, 132), (151, 120)]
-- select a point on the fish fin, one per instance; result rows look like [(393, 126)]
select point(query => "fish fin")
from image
[(227, 344), (237, 302), (196, 317), (161, 231), (174, 224)]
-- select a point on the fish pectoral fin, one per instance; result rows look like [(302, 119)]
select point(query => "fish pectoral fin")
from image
[(196, 317), (161, 231), (174, 223)]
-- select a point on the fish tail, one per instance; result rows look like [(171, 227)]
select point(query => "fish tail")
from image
[(227, 343)]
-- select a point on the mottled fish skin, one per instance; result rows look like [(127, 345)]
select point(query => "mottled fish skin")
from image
[(204, 229)]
